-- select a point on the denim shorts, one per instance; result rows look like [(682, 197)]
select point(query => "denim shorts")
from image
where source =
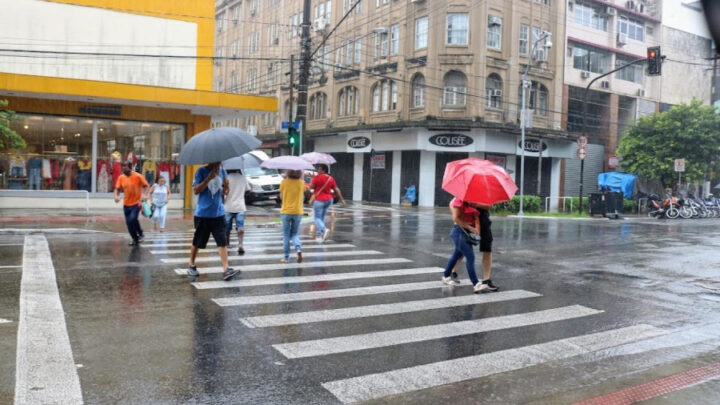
[(239, 220)]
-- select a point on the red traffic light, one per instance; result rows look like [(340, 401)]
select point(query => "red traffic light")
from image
[(651, 54)]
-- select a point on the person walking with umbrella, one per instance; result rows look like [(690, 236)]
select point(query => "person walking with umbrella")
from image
[(292, 191), (476, 184), (210, 184)]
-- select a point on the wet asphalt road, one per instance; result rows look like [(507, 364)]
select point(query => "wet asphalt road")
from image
[(141, 333)]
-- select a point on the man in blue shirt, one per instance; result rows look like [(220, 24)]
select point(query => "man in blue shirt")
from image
[(210, 184)]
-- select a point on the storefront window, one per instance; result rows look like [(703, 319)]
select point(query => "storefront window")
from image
[(59, 153)]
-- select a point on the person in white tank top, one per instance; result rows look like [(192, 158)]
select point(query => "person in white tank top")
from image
[(160, 197)]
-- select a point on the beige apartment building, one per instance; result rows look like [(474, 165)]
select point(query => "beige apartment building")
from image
[(402, 87)]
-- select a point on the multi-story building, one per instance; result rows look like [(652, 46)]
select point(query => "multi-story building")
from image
[(400, 88), (96, 82)]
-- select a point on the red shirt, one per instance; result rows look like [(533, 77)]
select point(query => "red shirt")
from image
[(467, 210), (318, 183)]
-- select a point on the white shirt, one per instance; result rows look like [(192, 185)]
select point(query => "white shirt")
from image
[(235, 200)]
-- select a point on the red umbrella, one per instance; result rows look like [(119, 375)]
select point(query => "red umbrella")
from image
[(478, 180)]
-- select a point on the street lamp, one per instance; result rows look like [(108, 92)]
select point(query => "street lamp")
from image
[(544, 36)]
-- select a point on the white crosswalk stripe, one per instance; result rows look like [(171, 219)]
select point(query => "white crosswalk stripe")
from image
[(382, 309), (3, 320), (337, 293), (189, 238), (262, 249), (304, 265), (344, 344), (374, 386), (233, 259), (264, 281), (211, 244)]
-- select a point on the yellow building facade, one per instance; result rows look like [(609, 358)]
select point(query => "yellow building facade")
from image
[(98, 82)]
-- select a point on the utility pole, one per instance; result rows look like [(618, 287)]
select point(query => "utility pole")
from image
[(305, 59), (539, 182), (291, 118)]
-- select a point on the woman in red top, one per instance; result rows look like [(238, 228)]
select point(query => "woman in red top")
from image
[(467, 220), (323, 186)]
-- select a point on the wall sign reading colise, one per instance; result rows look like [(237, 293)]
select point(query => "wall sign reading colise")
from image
[(359, 142), (451, 140), (533, 145)]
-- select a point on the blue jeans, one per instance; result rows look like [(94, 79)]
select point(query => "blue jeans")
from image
[(291, 227), (35, 179), (320, 208), (239, 220), (462, 248), (131, 220)]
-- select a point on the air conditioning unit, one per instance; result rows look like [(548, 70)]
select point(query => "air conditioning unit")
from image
[(641, 92), (380, 30), (497, 93), (320, 24), (495, 21), (605, 84), (584, 74), (622, 39), (610, 11)]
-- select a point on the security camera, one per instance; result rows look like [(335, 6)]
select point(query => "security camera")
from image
[(548, 44)]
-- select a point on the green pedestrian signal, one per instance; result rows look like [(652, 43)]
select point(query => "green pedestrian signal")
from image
[(293, 137)]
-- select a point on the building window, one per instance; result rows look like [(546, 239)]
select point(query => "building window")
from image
[(395, 39), (494, 33), (590, 59), (631, 27), (253, 42), (379, 3), (418, 91), (421, 33), (524, 39), (236, 14), (220, 22), (348, 101), (358, 50), (590, 16), (384, 96), (349, 52), (457, 29), (536, 99), (347, 5), (455, 89), (318, 106), (381, 44), (493, 88), (252, 79), (632, 73)]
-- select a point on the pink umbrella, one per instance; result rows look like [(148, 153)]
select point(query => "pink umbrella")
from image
[(318, 157), (478, 180), (287, 163)]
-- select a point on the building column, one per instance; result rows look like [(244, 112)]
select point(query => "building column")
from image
[(613, 135), (426, 189), (396, 174), (510, 162), (358, 177), (93, 166), (555, 172)]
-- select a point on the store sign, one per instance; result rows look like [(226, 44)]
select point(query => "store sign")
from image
[(533, 145), (359, 142), (377, 161), (451, 140), (111, 110)]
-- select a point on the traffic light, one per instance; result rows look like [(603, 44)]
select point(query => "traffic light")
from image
[(293, 138), (654, 58)]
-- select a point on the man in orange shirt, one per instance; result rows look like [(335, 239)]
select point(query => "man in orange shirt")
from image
[(134, 187)]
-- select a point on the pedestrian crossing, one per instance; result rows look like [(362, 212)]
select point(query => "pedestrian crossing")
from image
[(344, 277)]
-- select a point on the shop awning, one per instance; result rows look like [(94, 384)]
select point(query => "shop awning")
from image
[(198, 102)]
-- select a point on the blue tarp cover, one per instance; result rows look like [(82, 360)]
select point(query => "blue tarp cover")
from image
[(616, 181)]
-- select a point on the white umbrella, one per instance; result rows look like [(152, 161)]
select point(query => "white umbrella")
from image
[(216, 145), (318, 158), (245, 161), (287, 163)]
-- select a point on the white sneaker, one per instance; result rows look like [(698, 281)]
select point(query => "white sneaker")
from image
[(449, 281), (318, 239), (481, 288), (325, 234)]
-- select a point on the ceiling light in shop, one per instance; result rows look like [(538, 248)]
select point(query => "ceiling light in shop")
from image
[(25, 126), (77, 135)]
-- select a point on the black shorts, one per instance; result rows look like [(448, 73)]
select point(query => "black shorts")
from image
[(206, 226), (486, 237)]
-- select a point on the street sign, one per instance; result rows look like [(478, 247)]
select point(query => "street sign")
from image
[(581, 153), (582, 141), (613, 162), (679, 165), (377, 161), (286, 124)]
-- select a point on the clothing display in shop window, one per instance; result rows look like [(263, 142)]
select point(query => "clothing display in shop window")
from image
[(116, 171), (132, 157), (46, 173), (35, 173), (103, 176), (17, 166), (84, 176), (69, 173), (149, 168)]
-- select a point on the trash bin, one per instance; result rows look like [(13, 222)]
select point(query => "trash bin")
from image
[(613, 203), (597, 204)]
